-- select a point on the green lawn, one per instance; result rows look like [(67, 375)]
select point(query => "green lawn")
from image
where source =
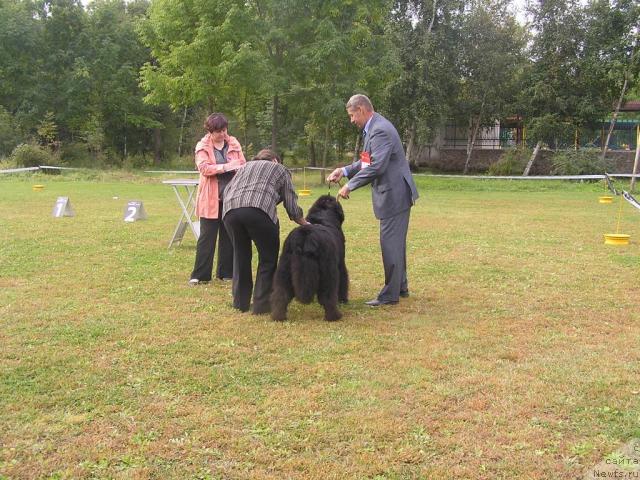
[(516, 355)]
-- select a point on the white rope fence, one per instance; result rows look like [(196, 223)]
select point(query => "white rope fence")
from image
[(303, 169), (41, 167)]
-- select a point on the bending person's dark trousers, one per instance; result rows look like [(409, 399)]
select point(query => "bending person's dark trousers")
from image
[(244, 225)]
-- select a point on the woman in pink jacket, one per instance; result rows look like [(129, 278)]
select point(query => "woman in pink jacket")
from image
[(218, 155)]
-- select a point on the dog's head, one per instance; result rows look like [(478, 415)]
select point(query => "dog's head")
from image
[(326, 211)]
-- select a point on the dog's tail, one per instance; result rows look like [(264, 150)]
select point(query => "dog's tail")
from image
[(305, 271)]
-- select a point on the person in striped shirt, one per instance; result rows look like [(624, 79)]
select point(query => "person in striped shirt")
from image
[(249, 214)]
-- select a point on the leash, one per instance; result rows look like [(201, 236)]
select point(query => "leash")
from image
[(339, 184)]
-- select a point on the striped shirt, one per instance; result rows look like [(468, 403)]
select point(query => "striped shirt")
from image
[(262, 184)]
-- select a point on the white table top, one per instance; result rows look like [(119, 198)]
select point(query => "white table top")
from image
[(182, 181)]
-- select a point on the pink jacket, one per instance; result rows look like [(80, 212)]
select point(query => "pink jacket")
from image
[(207, 198)]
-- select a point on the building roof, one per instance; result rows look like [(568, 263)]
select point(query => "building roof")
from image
[(631, 106)]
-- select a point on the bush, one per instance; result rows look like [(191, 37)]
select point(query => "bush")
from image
[(579, 162), (6, 163), (29, 155), (138, 161), (511, 162), (76, 155), (185, 162)]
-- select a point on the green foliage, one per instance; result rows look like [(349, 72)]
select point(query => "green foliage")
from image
[(29, 155), (579, 162), (93, 135), (137, 162), (551, 130), (276, 66), (420, 92), (580, 54), (21, 43), (9, 135), (75, 154), (132, 77), (492, 46), (511, 162), (47, 129), (70, 72)]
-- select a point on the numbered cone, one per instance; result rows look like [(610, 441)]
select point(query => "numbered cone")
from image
[(62, 208), (134, 211)]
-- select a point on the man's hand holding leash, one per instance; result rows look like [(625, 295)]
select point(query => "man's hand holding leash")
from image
[(335, 177)]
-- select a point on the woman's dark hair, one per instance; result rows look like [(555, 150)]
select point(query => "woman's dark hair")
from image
[(216, 122), (267, 154)]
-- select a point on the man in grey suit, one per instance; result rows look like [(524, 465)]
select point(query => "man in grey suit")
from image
[(382, 164)]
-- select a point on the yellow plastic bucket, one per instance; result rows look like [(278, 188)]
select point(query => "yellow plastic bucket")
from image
[(605, 199), (616, 238), (304, 193), (37, 188)]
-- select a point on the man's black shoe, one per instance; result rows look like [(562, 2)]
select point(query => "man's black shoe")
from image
[(404, 293), (376, 303)]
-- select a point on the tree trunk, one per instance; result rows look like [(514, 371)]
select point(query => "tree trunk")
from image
[(474, 129), (624, 88), (274, 124), (635, 161), (325, 153), (433, 16), (157, 146), (475, 134), (125, 135), (411, 145), (359, 146), (532, 159), (312, 153), (184, 118), (244, 120), (615, 116)]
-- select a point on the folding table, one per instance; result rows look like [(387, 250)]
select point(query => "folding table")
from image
[(185, 190)]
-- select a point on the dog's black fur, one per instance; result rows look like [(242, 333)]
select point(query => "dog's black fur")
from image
[(312, 263)]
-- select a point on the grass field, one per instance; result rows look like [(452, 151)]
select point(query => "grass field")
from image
[(516, 355)]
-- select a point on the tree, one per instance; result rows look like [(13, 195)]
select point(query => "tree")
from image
[(20, 34), (420, 97), (192, 43), (550, 98), (491, 56), (119, 116), (47, 129), (64, 82), (611, 51), (575, 75), (345, 52), (9, 135), (293, 60)]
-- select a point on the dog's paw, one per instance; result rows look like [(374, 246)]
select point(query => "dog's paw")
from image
[(278, 317), (333, 317)]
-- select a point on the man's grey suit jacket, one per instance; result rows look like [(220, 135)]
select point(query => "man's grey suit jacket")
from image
[(392, 187)]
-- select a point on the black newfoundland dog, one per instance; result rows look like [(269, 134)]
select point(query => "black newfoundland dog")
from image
[(312, 263)]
